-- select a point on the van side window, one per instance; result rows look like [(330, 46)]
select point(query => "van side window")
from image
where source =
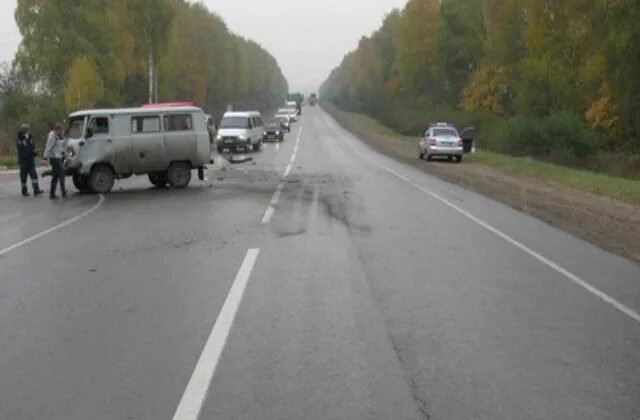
[(259, 121), (145, 124), (178, 122), (99, 126)]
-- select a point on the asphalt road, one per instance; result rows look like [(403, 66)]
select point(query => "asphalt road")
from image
[(354, 287)]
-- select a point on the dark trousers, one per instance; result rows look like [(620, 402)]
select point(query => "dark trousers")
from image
[(29, 171), (57, 175)]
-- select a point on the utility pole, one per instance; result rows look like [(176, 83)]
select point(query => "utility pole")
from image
[(151, 78)]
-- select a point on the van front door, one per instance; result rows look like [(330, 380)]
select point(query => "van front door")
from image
[(102, 143)]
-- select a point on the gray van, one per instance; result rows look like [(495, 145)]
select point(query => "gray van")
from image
[(103, 145)]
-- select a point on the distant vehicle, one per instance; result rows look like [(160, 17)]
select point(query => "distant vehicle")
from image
[(273, 131), (443, 140), (298, 98), (289, 112), (294, 108), (240, 131), (285, 121), (164, 142), (313, 99)]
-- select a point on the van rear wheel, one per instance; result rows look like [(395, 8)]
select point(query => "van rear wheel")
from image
[(159, 179), (101, 179), (179, 174)]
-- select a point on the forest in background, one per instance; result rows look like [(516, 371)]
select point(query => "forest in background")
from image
[(95, 53), (554, 79)]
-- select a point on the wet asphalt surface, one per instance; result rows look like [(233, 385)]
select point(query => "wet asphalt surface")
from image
[(370, 299)]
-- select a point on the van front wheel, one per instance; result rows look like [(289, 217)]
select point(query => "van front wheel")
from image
[(101, 179), (81, 183), (179, 174)]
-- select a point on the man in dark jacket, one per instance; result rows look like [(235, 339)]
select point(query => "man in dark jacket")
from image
[(26, 154)]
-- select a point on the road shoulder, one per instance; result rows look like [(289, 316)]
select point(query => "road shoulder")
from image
[(605, 222)]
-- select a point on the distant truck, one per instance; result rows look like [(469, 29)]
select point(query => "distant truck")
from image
[(313, 99)]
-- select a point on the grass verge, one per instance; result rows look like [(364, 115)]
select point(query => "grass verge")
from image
[(9, 161), (626, 190), (622, 189)]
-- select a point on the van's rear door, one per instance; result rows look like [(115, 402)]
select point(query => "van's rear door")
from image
[(179, 137)]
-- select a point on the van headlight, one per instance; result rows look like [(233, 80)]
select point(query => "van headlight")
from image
[(242, 138), (219, 136)]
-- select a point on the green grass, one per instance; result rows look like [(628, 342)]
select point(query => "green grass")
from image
[(600, 184), (368, 123), (9, 161)]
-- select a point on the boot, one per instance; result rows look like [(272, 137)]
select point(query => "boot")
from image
[(25, 192), (36, 190)]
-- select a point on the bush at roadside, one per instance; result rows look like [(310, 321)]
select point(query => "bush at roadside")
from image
[(562, 136)]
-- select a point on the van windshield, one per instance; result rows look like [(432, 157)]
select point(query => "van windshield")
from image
[(74, 129), (235, 122)]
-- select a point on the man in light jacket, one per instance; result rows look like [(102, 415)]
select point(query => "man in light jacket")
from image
[(53, 152)]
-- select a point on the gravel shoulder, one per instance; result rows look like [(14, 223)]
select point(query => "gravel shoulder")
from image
[(610, 224)]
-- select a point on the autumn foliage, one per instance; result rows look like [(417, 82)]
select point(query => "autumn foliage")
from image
[(86, 53), (503, 58)]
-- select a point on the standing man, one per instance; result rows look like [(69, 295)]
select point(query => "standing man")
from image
[(26, 155), (53, 152)]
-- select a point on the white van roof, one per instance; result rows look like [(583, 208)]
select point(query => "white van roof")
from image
[(135, 111)]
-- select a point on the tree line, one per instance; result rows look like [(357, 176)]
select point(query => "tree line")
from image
[(95, 53), (532, 73)]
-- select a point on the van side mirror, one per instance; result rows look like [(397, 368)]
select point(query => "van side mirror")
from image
[(89, 133)]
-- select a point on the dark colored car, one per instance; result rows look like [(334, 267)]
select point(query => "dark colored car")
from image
[(285, 122), (273, 131)]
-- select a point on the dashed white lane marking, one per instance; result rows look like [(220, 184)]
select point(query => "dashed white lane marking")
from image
[(561, 270), (195, 394), (52, 229), (287, 170), (271, 208)]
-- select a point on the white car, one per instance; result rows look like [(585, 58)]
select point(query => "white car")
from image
[(442, 140), (240, 131), (293, 108), (293, 116)]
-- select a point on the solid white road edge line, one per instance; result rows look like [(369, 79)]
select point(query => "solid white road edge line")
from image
[(574, 278), (53, 229), (195, 394)]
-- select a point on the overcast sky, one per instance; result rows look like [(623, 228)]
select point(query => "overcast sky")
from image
[(307, 37)]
